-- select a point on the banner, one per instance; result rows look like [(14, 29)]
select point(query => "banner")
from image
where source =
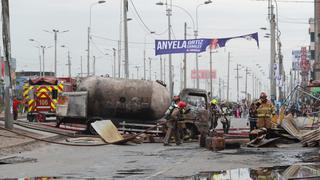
[(196, 45), (203, 74), (296, 55)]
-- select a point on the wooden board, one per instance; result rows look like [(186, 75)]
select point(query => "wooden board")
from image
[(107, 131)]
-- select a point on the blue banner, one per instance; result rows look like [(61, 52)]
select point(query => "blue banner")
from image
[(196, 45), (181, 46)]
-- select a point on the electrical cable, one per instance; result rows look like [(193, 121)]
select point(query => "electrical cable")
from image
[(109, 39), (83, 145), (139, 17)]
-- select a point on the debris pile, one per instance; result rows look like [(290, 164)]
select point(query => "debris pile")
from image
[(311, 138)]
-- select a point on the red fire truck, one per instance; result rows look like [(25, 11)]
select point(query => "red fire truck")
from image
[(41, 95)]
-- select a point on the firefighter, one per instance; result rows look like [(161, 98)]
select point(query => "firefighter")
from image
[(215, 113), (172, 124), (265, 111), (173, 105)]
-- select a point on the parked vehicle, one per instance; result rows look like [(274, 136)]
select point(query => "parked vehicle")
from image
[(40, 95), (197, 120)]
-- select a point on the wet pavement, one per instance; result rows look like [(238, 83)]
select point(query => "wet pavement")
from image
[(297, 171)]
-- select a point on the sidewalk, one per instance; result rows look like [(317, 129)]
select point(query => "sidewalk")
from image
[(10, 141)]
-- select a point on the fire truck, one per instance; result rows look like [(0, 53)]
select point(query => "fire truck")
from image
[(40, 97)]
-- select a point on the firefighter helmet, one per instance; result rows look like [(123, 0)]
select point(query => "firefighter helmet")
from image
[(182, 104), (263, 95), (214, 102)]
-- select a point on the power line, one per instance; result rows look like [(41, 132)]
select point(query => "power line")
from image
[(109, 39), (137, 13)]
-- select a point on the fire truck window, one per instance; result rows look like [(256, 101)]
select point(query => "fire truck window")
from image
[(54, 94)]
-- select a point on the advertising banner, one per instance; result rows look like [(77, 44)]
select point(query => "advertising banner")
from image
[(296, 55), (196, 45), (203, 74)]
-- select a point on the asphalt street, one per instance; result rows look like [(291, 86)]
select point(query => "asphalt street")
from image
[(142, 161)]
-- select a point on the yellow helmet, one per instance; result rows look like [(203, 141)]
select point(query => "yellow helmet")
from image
[(214, 101)]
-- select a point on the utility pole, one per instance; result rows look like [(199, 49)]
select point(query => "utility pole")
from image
[(81, 72), (210, 76), (228, 80), (119, 59), (55, 51), (144, 63), (164, 70), (253, 85), (273, 90), (114, 62), (169, 11), (281, 73), (316, 41), (219, 88), (69, 65), (161, 69), (94, 66), (43, 70), (7, 57), (185, 60), (149, 68), (237, 69), (181, 76), (125, 27), (246, 85), (137, 67)]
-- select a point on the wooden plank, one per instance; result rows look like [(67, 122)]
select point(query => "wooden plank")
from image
[(107, 131)]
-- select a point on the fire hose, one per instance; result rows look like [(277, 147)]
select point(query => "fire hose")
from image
[(68, 144)]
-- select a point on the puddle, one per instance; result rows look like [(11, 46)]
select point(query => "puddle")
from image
[(297, 172), (16, 159)]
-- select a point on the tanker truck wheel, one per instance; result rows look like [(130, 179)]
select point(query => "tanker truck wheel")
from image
[(90, 129)]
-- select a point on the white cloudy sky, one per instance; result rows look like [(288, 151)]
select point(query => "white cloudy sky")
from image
[(222, 18)]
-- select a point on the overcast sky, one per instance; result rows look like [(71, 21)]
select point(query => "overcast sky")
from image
[(222, 18)]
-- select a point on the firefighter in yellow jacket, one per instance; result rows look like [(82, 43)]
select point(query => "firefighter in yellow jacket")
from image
[(265, 112)]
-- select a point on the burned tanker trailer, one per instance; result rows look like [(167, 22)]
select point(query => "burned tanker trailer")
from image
[(129, 100)]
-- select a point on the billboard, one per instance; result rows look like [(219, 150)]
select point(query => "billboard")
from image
[(203, 74)]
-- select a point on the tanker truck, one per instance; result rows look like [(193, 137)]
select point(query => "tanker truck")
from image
[(117, 99)]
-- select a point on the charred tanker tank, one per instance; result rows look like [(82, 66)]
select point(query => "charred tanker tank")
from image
[(117, 98)]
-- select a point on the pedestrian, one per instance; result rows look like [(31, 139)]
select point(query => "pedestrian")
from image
[(253, 116), (265, 111), (15, 106), (172, 124)]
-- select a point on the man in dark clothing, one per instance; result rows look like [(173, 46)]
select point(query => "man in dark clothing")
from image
[(253, 116), (172, 124)]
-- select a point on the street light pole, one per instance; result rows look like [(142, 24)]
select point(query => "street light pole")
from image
[(144, 53), (273, 90), (185, 59), (169, 11), (196, 31), (89, 36), (228, 80), (210, 76), (125, 27), (149, 68), (55, 33)]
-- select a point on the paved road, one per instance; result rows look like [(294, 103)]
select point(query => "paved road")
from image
[(143, 161)]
